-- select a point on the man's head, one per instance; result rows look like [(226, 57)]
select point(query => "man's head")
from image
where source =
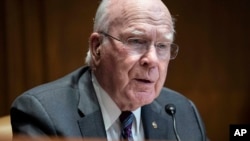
[(129, 50)]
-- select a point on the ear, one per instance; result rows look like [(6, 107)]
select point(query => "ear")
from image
[(95, 41)]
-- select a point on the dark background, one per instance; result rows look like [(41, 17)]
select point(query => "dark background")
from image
[(42, 40)]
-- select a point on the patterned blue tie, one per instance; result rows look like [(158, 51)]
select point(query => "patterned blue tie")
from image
[(126, 119)]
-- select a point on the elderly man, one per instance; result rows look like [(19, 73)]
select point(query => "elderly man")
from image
[(120, 93)]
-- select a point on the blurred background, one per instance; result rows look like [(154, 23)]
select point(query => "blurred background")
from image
[(42, 40)]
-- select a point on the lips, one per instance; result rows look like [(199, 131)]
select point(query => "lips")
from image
[(144, 80)]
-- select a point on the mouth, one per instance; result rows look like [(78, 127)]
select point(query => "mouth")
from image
[(144, 81)]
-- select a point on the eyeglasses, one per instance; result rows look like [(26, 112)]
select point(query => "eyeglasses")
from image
[(141, 45)]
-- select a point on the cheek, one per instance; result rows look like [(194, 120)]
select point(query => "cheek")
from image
[(113, 58), (117, 65), (163, 76)]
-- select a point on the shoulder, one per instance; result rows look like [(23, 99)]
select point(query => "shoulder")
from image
[(66, 83), (59, 90)]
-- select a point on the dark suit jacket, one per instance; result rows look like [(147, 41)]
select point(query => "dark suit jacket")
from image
[(68, 107)]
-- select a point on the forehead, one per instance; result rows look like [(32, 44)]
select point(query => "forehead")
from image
[(139, 13)]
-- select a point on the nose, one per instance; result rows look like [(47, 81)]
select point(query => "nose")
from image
[(149, 58)]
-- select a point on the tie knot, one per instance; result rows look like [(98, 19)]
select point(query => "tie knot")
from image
[(126, 115)]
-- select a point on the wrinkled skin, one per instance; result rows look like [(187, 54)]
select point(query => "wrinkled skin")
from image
[(131, 79)]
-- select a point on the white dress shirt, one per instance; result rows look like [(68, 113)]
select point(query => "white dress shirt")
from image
[(111, 113)]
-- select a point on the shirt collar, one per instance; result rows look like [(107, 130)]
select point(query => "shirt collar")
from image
[(110, 111)]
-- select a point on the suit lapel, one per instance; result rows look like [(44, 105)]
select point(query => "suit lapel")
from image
[(156, 123), (91, 123), (92, 126)]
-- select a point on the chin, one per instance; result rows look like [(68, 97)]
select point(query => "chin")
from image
[(144, 98), (137, 104), (136, 99)]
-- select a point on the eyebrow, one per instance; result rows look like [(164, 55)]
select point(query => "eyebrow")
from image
[(140, 32), (169, 36)]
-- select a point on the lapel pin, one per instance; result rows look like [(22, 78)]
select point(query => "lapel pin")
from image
[(154, 124)]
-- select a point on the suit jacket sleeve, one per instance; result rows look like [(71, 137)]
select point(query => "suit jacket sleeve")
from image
[(29, 117)]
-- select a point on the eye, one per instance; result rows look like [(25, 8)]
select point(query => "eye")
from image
[(163, 45), (137, 42)]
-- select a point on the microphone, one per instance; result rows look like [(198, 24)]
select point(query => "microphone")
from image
[(171, 110)]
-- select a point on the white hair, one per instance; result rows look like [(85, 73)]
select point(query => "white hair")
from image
[(101, 23)]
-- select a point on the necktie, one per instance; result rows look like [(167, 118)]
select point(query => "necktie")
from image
[(126, 119)]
